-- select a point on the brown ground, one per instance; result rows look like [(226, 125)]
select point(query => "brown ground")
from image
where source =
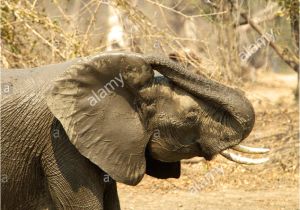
[(221, 184)]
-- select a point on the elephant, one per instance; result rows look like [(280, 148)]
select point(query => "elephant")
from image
[(71, 130)]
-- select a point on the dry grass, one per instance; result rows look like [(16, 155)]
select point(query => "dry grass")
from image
[(30, 38)]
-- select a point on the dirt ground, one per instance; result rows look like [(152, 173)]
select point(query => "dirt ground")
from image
[(220, 184)]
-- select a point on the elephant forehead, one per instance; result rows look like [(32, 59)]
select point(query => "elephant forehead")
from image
[(182, 99)]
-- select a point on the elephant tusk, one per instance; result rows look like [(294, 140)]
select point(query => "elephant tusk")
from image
[(242, 160), (250, 150)]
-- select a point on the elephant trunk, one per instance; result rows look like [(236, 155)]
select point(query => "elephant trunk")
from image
[(230, 100)]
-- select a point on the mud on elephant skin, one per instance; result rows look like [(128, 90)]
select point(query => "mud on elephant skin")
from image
[(71, 130)]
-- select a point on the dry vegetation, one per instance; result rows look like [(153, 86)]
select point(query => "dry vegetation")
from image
[(37, 32)]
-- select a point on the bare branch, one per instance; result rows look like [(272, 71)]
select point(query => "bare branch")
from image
[(182, 14)]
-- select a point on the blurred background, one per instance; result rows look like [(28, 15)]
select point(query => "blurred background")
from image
[(252, 45)]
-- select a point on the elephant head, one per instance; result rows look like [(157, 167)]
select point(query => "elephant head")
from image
[(128, 122)]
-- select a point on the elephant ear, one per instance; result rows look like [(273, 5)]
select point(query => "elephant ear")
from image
[(94, 101)]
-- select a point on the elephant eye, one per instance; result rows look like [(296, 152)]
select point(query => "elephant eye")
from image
[(151, 108), (192, 116)]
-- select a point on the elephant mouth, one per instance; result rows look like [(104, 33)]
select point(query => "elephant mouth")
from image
[(245, 160), (210, 151)]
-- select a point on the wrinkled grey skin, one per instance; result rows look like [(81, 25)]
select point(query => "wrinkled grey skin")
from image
[(57, 149)]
